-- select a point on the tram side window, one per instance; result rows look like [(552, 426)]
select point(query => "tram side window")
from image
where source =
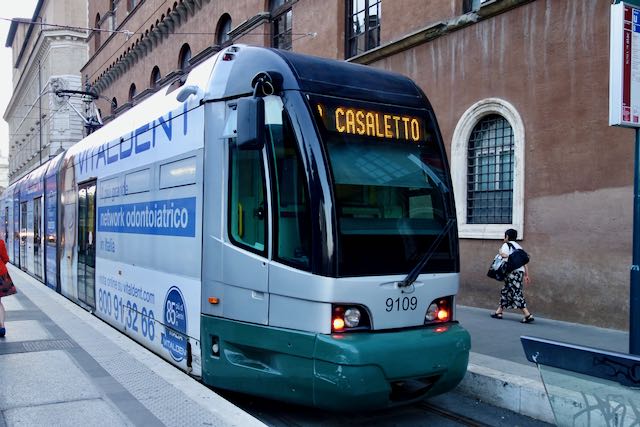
[(293, 237), (247, 211)]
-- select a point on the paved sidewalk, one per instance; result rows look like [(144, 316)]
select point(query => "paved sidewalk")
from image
[(500, 374), (62, 366)]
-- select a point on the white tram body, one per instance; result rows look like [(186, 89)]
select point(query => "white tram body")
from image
[(235, 262)]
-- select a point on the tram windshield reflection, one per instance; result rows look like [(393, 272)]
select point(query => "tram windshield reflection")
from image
[(390, 186)]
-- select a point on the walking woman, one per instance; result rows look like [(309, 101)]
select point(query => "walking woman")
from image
[(512, 293), (6, 285)]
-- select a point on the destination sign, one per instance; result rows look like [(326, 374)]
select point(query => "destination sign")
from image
[(366, 122)]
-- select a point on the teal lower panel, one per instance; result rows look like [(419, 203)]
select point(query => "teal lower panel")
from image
[(380, 369), (336, 372), (259, 360)]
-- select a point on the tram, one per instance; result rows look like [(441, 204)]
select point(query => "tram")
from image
[(274, 224)]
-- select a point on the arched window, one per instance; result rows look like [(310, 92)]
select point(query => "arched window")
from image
[(155, 77), (112, 11), (224, 27), (487, 167), (96, 33), (114, 105), (132, 91), (490, 172), (281, 17), (184, 57)]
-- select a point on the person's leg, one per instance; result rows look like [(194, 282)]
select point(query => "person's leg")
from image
[(517, 282), (1, 314), (503, 302), (498, 313)]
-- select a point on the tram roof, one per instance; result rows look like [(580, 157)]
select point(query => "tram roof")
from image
[(323, 76), (219, 78)]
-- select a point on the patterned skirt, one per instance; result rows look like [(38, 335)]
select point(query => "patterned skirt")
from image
[(6, 286), (512, 295)]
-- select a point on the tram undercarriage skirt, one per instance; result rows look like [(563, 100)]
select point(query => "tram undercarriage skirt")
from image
[(411, 389)]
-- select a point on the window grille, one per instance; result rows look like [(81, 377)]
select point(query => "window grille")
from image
[(281, 30), (490, 166), (363, 26)]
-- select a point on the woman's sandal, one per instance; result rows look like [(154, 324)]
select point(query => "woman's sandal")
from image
[(496, 315), (3, 331), (527, 319)]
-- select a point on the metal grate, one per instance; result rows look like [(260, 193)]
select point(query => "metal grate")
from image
[(490, 172)]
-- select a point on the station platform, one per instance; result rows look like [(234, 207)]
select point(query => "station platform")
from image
[(60, 365), (499, 372)]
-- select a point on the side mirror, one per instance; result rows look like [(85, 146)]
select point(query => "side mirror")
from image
[(250, 125)]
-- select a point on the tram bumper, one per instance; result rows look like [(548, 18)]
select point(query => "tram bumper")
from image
[(339, 372), (381, 369)]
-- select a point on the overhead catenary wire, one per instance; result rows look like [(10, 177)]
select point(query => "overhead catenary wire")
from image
[(27, 145), (129, 33)]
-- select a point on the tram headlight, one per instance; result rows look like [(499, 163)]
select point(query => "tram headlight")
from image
[(352, 317), (432, 313), (347, 317), (439, 311)]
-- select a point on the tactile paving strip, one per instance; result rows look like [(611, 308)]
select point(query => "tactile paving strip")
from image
[(48, 345)]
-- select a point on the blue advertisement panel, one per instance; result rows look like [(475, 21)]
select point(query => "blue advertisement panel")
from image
[(173, 217), (174, 338), (51, 231)]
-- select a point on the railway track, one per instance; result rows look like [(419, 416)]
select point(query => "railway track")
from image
[(276, 414), (463, 420)]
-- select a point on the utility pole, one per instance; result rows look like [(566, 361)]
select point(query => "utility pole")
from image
[(622, 100), (40, 106)]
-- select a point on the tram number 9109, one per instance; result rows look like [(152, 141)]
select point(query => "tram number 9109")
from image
[(401, 304)]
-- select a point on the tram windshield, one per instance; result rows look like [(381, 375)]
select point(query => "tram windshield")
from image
[(391, 187)]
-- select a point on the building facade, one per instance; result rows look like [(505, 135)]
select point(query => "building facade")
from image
[(521, 92), (48, 51), (520, 89)]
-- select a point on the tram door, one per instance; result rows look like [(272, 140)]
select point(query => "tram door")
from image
[(86, 243), (23, 236), (37, 236), (6, 225)]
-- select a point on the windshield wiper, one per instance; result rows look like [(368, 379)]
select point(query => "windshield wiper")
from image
[(429, 172), (413, 275)]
